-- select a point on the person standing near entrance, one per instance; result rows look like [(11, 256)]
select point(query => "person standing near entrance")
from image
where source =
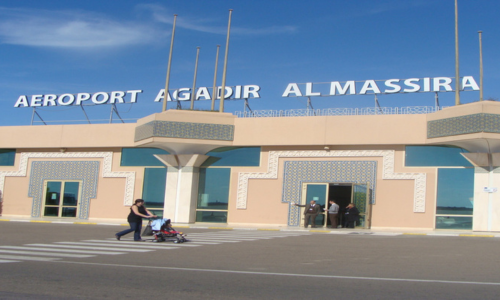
[(351, 215), (310, 213), (333, 213), (137, 212)]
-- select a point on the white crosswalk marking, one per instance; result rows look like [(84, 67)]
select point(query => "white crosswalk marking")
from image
[(144, 245), (120, 245), (8, 261), (89, 247), (37, 253), (110, 246), (18, 257), (62, 250)]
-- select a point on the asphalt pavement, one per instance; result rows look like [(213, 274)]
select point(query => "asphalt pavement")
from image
[(84, 261)]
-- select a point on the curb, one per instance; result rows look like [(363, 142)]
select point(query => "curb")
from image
[(337, 232)]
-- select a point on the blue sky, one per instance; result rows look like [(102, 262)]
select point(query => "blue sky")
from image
[(64, 46)]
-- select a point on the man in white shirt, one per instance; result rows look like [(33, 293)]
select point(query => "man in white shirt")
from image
[(333, 213)]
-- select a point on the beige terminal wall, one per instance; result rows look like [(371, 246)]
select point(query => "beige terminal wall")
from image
[(394, 198), (108, 204)]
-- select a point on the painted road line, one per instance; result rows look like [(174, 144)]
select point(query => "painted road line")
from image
[(130, 248), (144, 245), (62, 250), (15, 257), (197, 240), (476, 235), (132, 244), (35, 253), (350, 279), (90, 247), (8, 261)]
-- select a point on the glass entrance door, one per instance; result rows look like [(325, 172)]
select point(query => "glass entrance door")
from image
[(319, 193), (61, 199), (361, 198)]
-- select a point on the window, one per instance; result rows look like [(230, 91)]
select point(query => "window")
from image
[(7, 157), (213, 195), (61, 199), (435, 156), (141, 157), (455, 186), (233, 157), (153, 191)]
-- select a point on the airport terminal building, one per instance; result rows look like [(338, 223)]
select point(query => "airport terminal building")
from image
[(435, 170)]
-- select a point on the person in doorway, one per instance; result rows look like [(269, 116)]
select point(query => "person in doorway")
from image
[(333, 213), (137, 212), (310, 213), (351, 215)]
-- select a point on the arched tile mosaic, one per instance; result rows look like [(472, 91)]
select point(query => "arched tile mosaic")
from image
[(298, 172), (86, 171)]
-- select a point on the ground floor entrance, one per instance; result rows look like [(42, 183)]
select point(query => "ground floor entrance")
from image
[(342, 194)]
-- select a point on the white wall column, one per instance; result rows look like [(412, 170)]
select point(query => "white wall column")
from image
[(486, 215), (181, 192)]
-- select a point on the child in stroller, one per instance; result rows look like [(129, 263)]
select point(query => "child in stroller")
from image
[(162, 231)]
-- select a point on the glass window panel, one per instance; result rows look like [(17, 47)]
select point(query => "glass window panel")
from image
[(453, 222), (7, 157), (51, 211), (455, 192), (435, 156), (71, 193), (53, 193), (141, 157), (317, 192), (68, 212), (213, 190), (233, 157), (211, 216), (153, 191)]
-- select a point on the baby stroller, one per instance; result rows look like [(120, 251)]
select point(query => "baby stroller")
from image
[(163, 231)]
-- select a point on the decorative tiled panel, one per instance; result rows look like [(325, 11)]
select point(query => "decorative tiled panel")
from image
[(464, 125), (86, 171), (107, 162), (298, 172), (387, 172), (184, 130)]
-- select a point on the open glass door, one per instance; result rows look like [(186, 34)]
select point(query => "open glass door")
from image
[(361, 198), (319, 193)]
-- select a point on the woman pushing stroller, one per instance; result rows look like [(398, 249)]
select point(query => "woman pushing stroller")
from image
[(137, 212)]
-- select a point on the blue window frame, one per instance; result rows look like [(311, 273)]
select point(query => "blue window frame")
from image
[(435, 156), (141, 157), (455, 191), (213, 189), (153, 191), (233, 157)]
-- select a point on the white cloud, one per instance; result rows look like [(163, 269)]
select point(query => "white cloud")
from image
[(90, 30), (160, 14), (69, 29)]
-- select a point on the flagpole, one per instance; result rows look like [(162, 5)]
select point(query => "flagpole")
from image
[(214, 91), (480, 66), (165, 98), (193, 91), (457, 72), (223, 88)]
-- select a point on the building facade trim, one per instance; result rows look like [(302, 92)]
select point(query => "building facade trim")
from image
[(85, 171), (106, 169), (463, 125), (184, 130), (387, 172)]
